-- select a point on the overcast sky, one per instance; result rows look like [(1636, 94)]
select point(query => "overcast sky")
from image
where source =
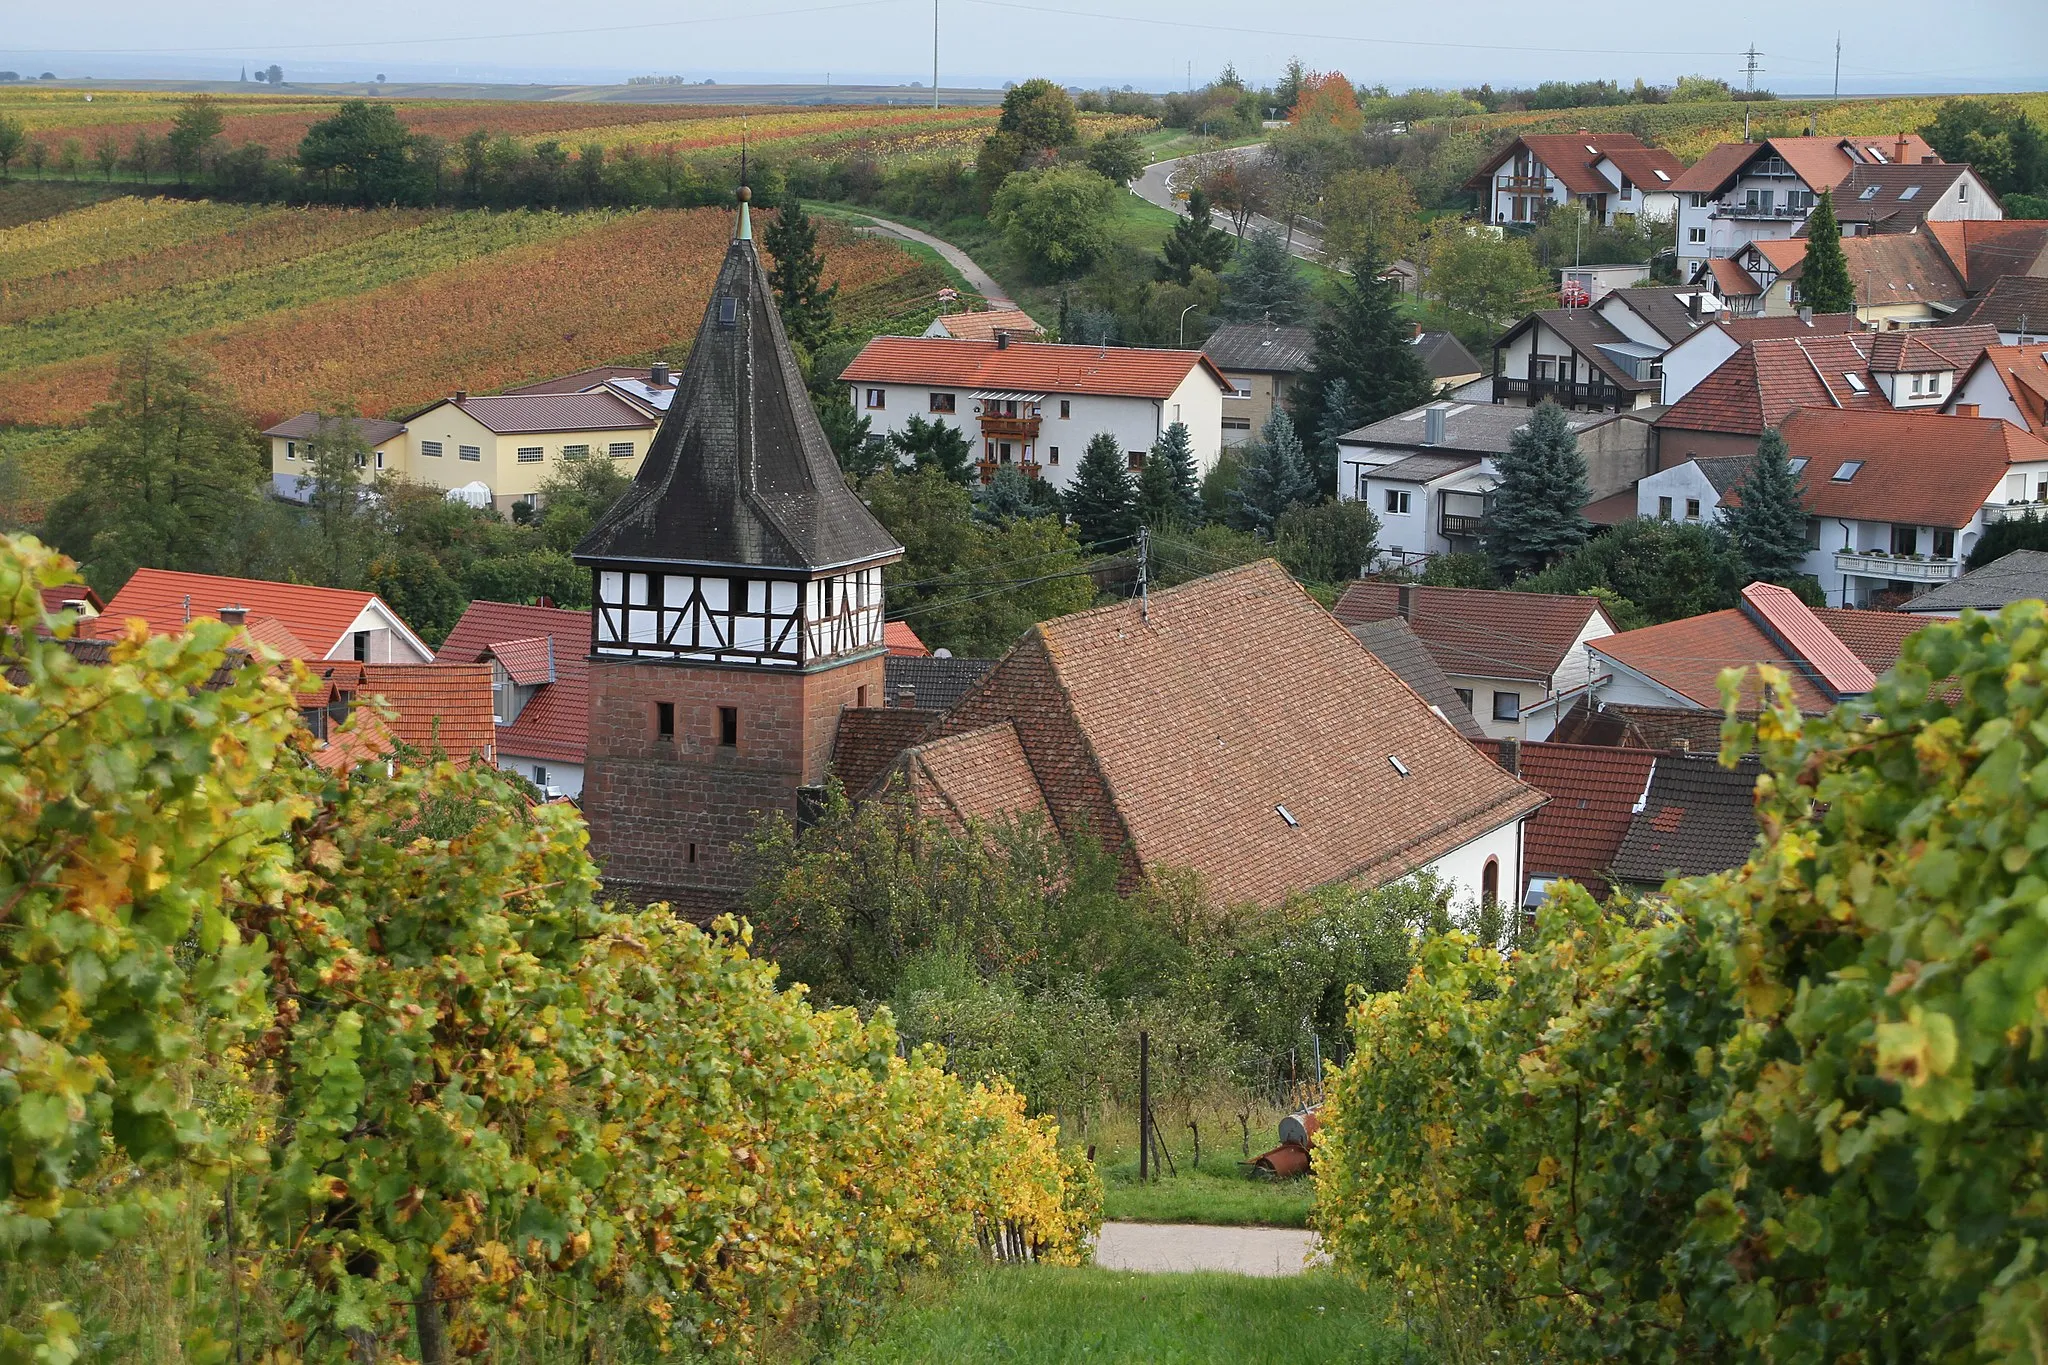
[(1887, 45)]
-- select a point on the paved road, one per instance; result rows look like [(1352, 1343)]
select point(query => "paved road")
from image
[(1154, 187), (1194, 1246), (982, 281)]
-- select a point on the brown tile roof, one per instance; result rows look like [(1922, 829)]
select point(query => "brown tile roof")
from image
[(1822, 162), (1872, 636), (595, 377), (1273, 704), (984, 325), (2023, 371), (1713, 171), (517, 414), (1476, 632), (1732, 280), (1586, 331), (870, 738), (1983, 250), (167, 599), (1394, 643), (1894, 198), (1593, 792), (1698, 818), (1889, 269), (2002, 307), (979, 776), (1572, 157), (438, 707), (1623, 726), (1765, 380), (530, 661), (555, 723), (1759, 329), (55, 598), (1924, 468), (1036, 367), (374, 430)]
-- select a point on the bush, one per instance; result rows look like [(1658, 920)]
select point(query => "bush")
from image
[(1793, 1119), (1332, 542)]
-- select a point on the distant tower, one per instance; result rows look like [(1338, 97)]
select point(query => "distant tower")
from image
[(738, 591)]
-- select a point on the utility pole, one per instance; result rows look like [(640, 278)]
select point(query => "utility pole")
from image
[(1144, 554), (1749, 71), (1838, 64), (1144, 1104)]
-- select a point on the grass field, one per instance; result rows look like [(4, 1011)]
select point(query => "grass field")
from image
[(1038, 1315), (388, 309), (1219, 1190)]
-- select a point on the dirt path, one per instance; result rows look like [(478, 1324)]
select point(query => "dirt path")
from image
[(1198, 1246), (983, 282)]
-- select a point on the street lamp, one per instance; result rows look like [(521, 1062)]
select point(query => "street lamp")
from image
[(1184, 324)]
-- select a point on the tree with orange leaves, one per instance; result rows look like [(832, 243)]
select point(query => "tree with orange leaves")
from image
[(1327, 100)]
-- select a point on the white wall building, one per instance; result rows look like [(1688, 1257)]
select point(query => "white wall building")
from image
[(1610, 174)]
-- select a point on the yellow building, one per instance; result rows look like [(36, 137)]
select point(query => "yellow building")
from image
[(500, 448)]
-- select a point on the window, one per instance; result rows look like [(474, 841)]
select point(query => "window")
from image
[(1869, 192), (1801, 200), (360, 646), (1052, 454), (1237, 424), (380, 459), (728, 727), (1397, 501), (878, 399), (1905, 540), (1855, 382), (1066, 409), (468, 453), (1910, 192), (1507, 706), (1360, 487), (361, 460), (575, 452), (1796, 463), (860, 697), (1489, 882), (1543, 367), (664, 720), (1664, 509), (1699, 201), (1846, 472), (540, 775), (432, 448), (1962, 191), (1813, 533), (1944, 544), (621, 450), (529, 454), (1692, 509), (1464, 695), (291, 450), (1136, 458), (728, 311), (1696, 236), (1240, 388), (943, 402)]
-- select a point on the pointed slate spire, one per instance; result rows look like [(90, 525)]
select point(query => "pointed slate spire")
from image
[(740, 473)]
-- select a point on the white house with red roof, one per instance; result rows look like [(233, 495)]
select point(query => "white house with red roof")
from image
[(540, 697), (1035, 405), (297, 621), (1611, 174)]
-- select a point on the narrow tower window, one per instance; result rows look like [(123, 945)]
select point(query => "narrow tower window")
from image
[(729, 726), (664, 720)]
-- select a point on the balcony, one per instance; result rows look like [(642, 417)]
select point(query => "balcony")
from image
[(1780, 213), (1588, 394), (1456, 527), (1010, 428), (1521, 184), (1895, 568), (988, 468), (2015, 511)]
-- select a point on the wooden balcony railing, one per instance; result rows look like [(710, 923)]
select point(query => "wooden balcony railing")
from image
[(988, 468), (1010, 428), (1595, 394)]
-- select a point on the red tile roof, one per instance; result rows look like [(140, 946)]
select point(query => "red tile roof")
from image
[(167, 600), (515, 414), (1981, 250), (1571, 157), (1822, 162), (439, 707), (1785, 618), (529, 662), (984, 325), (1872, 636), (1922, 468), (1732, 280), (555, 723), (902, 641), (1714, 170), (1766, 379), (1593, 792), (1312, 726), (1478, 632), (1124, 371), (270, 633), (980, 775)]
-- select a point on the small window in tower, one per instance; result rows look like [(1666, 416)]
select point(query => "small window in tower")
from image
[(860, 696), (729, 727), (664, 720), (728, 310), (693, 853)]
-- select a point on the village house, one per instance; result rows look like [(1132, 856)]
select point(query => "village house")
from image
[(1394, 643), (1828, 654), (1607, 357), (540, 702), (1610, 174), (648, 387), (1261, 362), (2017, 576), (1516, 659), (1316, 766), (300, 622), (1764, 380), (1896, 499), (1742, 192), (983, 325), (2009, 383), (2016, 306), (1429, 473), (498, 449), (1705, 350), (1036, 406), (1595, 794), (1901, 281)]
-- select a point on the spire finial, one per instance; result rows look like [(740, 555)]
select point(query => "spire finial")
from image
[(744, 195)]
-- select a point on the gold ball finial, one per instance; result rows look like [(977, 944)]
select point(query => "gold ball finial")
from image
[(745, 195)]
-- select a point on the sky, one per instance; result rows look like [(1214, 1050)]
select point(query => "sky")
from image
[(1887, 46)]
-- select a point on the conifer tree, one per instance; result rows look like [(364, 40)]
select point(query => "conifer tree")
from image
[(1262, 283), (1768, 520), (1339, 415), (796, 276), (934, 445), (1169, 493), (1363, 340), (1273, 477), (1103, 500), (1194, 242), (1536, 504), (1824, 283)]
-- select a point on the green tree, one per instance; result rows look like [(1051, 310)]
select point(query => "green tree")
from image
[(1536, 504), (2002, 537), (1262, 282), (1011, 493), (1040, 115), (1824, 283), (420, 589), (1339, 414), (797, 276), (338, 460), (1118, 158), (194, 129), (370, 148), (1363, 340), (1651, 571), (1369, 216), (107, 154), (851, 433), (1102, 501), (144, 155), (1491, 280), (1273, 475), (171, 474), (1768, 517), (528, 576), (1332, 542), (1057, 219), (1994, 138), (935, 445), (1169, 491), (1195, 243), (574, 496), (12, 139)]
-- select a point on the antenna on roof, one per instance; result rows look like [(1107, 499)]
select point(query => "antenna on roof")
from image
[(1144, 554)]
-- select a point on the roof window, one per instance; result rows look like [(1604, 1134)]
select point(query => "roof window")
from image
[(1846, 471), (1592, 150), (728, 310), (1909, 191), (1856, 384), (1288, 816), (1399, 766), (1869, 192), (1664, 177), (1797, 463)]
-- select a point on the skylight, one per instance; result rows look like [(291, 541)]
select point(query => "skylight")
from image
[(728, 310), (1592, 149), (1846, 472), (1288, 816), (1663, 176), (1869, 192), (1399, 766), (1798, 463), (1909, 191), (1855, 382)]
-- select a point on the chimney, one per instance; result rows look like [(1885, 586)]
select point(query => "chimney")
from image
[(1966, 409), (1433, 423), (545, 601), (1930, 160), (658, 375), (1899, 151), (906, 696), (1405, 603), (1002, 340), (1511, 756), (462, 395), (234, 616), (1806, 314), (1692, 305)]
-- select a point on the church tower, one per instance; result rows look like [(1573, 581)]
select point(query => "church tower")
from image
[(738, 609)]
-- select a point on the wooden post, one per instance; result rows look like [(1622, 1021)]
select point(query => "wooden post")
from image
[(1144, 1104)]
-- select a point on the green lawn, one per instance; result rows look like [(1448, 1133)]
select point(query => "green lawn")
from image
[(1028, 1315), (1216, 1194)]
